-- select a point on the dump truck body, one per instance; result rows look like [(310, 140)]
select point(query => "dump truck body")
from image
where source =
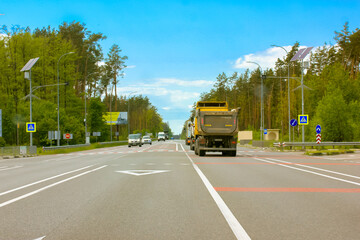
[(215, 129)]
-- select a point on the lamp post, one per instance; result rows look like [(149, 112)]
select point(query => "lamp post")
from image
[(85, 120), (129, 112), (261, 99), (58, 99), (27, 70), (287, 53)]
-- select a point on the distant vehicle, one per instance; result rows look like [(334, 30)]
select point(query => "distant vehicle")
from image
[(161, 136), (134, 140), (172, 138), (215, 128), (146, 140)]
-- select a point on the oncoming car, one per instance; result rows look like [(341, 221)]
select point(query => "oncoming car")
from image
[(161, 136), (134, 140), (146, 140)]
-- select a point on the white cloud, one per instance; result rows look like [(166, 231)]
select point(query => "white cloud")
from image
[(3, 36), (183, 83), (100, 63), (166, 108), (131, 66), (266, 59)]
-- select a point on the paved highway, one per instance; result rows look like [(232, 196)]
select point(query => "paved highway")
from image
[(164, 191)]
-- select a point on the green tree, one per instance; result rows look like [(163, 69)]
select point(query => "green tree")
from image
[(335, 117)]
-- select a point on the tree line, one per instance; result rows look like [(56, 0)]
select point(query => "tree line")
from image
[(71, 54), (331, 97)]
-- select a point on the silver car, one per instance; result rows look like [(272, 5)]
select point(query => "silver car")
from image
[(134, 140), (146, 140)]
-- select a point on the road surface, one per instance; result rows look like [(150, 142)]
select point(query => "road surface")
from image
[(164, 191)]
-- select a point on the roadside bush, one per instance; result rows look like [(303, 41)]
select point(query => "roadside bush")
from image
[(2, 142)]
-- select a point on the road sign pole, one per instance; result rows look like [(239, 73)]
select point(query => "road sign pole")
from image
[(302, 98), (31, 136)]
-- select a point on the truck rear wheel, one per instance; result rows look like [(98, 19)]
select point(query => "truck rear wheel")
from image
[(232, 153), (201, 153)]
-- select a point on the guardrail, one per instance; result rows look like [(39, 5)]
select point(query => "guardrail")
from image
[(314, 144), (79, 145), (123, 141), (65, 146)]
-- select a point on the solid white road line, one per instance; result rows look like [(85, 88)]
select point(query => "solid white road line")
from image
[(234, 224), (49, 186), (43, 180), (320, 169), (177, 147), (315, 173)]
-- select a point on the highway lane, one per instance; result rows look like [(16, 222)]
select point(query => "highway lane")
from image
[(164, 191)]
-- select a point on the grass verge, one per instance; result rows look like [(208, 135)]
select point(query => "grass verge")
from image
[(329, 152)]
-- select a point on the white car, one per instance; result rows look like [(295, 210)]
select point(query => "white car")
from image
[(146, 140), (134, 140)]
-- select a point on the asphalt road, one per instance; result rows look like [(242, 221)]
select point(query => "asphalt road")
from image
[(164, 191)]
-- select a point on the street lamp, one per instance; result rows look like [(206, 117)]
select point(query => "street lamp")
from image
[(87, 140), (58, 100), (287, 53), (129, 111), (27, 70), (261, 107)]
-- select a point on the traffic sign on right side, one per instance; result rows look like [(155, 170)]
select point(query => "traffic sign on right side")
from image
[(318, 129)]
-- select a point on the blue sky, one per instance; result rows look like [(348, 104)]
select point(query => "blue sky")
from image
[(176, 49)]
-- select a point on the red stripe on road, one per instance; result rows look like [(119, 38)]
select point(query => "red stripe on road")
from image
[(280, 163), (336, 190)]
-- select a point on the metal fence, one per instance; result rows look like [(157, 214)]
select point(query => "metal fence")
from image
[(314, 144), (65, 147), (79, 145), (18, 151)]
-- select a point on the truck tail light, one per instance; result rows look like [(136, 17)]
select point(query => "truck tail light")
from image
[(233, 142)]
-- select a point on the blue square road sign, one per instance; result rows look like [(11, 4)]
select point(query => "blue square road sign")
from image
[(303, 119), (30, 127)]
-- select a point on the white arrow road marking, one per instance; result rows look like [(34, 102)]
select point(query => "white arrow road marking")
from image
[(40, 238), (142, 172)]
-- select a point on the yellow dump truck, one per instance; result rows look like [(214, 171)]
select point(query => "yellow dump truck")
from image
[(215, 128)]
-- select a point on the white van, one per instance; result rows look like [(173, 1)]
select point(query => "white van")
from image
[(161, 136)]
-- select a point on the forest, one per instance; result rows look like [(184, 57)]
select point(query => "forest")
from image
[(70, 55), (331, 95)]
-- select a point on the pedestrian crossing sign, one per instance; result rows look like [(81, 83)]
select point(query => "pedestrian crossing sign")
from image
[(30, 127), (303, 119)]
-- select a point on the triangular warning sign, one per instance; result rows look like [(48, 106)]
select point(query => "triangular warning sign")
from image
[(31, 127), (303, 119)]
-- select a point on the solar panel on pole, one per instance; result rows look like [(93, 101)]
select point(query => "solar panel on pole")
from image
[(305, 53), (297, 55), (29, 64)]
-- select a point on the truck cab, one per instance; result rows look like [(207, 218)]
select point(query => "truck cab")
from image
[(161, 136)]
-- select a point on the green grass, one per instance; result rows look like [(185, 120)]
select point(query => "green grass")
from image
[(329, 152), (70, 150)]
